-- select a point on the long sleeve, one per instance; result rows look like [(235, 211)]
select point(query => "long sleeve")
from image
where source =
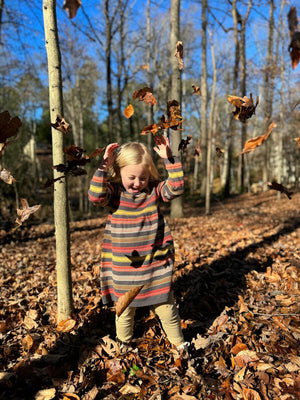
[(100, 190), (173, 186)]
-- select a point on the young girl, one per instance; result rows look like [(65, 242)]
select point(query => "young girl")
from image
[(137, 245)]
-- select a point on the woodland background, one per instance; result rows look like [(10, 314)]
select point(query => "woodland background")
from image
[(112, 48), (239, 247)]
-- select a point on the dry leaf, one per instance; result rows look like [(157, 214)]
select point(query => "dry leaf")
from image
[(61, 124), (45, 394), (150, 129), (129, 389), (8, 127), (179, 54), (66, 325), (277, 186), (129, 111), (196, 90), (6, 176), (71, 6), (25, 212), (145, 95), (124, 301), (298, 141), (245, 107), (184, 143), (251, 144)]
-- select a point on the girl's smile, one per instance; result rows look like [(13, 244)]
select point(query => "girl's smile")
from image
[(134, 177)]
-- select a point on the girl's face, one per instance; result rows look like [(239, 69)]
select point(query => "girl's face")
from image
[(134, 177)]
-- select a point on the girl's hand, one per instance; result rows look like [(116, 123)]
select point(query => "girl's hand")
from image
[(110, 154), (162, 147)]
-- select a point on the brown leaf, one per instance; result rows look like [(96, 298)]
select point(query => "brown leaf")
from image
[(277, 186), (250, 394), (8, 127), (184, 143), (145, 95), (6, 176), (294, 49), (149, 129), (179, 54), (196, 90), (25, 212), (245, 358), (298, 141), (45, 394), (124, 301), (221, 367), (71, 6), (251, 144), (129, 111), (61, 125), (292, 20), (66, 325), (245, 107)]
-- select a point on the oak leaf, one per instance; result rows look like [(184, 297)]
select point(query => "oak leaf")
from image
[(184, 143), (251, 144), (129, 111), (124, 300), (149, 129)]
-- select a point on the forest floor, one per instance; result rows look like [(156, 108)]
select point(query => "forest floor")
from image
[(236, 283)]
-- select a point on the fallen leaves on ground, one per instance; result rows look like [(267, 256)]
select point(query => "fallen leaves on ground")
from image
[(236, 282)]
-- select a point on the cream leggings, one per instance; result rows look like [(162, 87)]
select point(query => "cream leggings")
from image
[(168, 315)]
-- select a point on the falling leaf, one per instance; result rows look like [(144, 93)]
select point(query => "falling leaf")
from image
[(277, 186), (6, 176), (251, 144), (124, 300), (184, 143), (196, 90), (292, 20), (174, 114), (71, 6), (129, 111), (179, 54), (294, 49), (145, 95), (66, 325), (25, 212), (8, 127), (245, 107), (145, 66), (149, 129), (61, 125)]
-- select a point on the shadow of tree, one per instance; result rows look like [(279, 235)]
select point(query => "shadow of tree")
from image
[(204, 291)]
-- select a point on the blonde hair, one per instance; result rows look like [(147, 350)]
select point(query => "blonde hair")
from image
[(133, 153)]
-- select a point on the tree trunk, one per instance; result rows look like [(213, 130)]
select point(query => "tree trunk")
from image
[(210, 132), (234, 88), (108, 33), (268, 91), (61, 219), (175, 135), (204, 95)]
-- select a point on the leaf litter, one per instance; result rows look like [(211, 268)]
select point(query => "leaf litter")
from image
[(236, 283)]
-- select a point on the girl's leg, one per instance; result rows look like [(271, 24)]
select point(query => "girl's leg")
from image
[(124, 325), (170, 320)]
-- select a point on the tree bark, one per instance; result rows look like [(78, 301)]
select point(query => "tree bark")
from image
[(61, 218), (175, 135), (204, 100), (109, 100)]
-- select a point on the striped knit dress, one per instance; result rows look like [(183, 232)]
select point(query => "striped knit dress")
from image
[(137, 246)]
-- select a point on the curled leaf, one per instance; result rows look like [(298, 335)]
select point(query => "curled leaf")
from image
[(145, 95), (61, 125), (71, 6), (25, 212), (280, 188), (251, 144), (245, 107), (196, 90), (124, 301), (6, 176), (66, 326)]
